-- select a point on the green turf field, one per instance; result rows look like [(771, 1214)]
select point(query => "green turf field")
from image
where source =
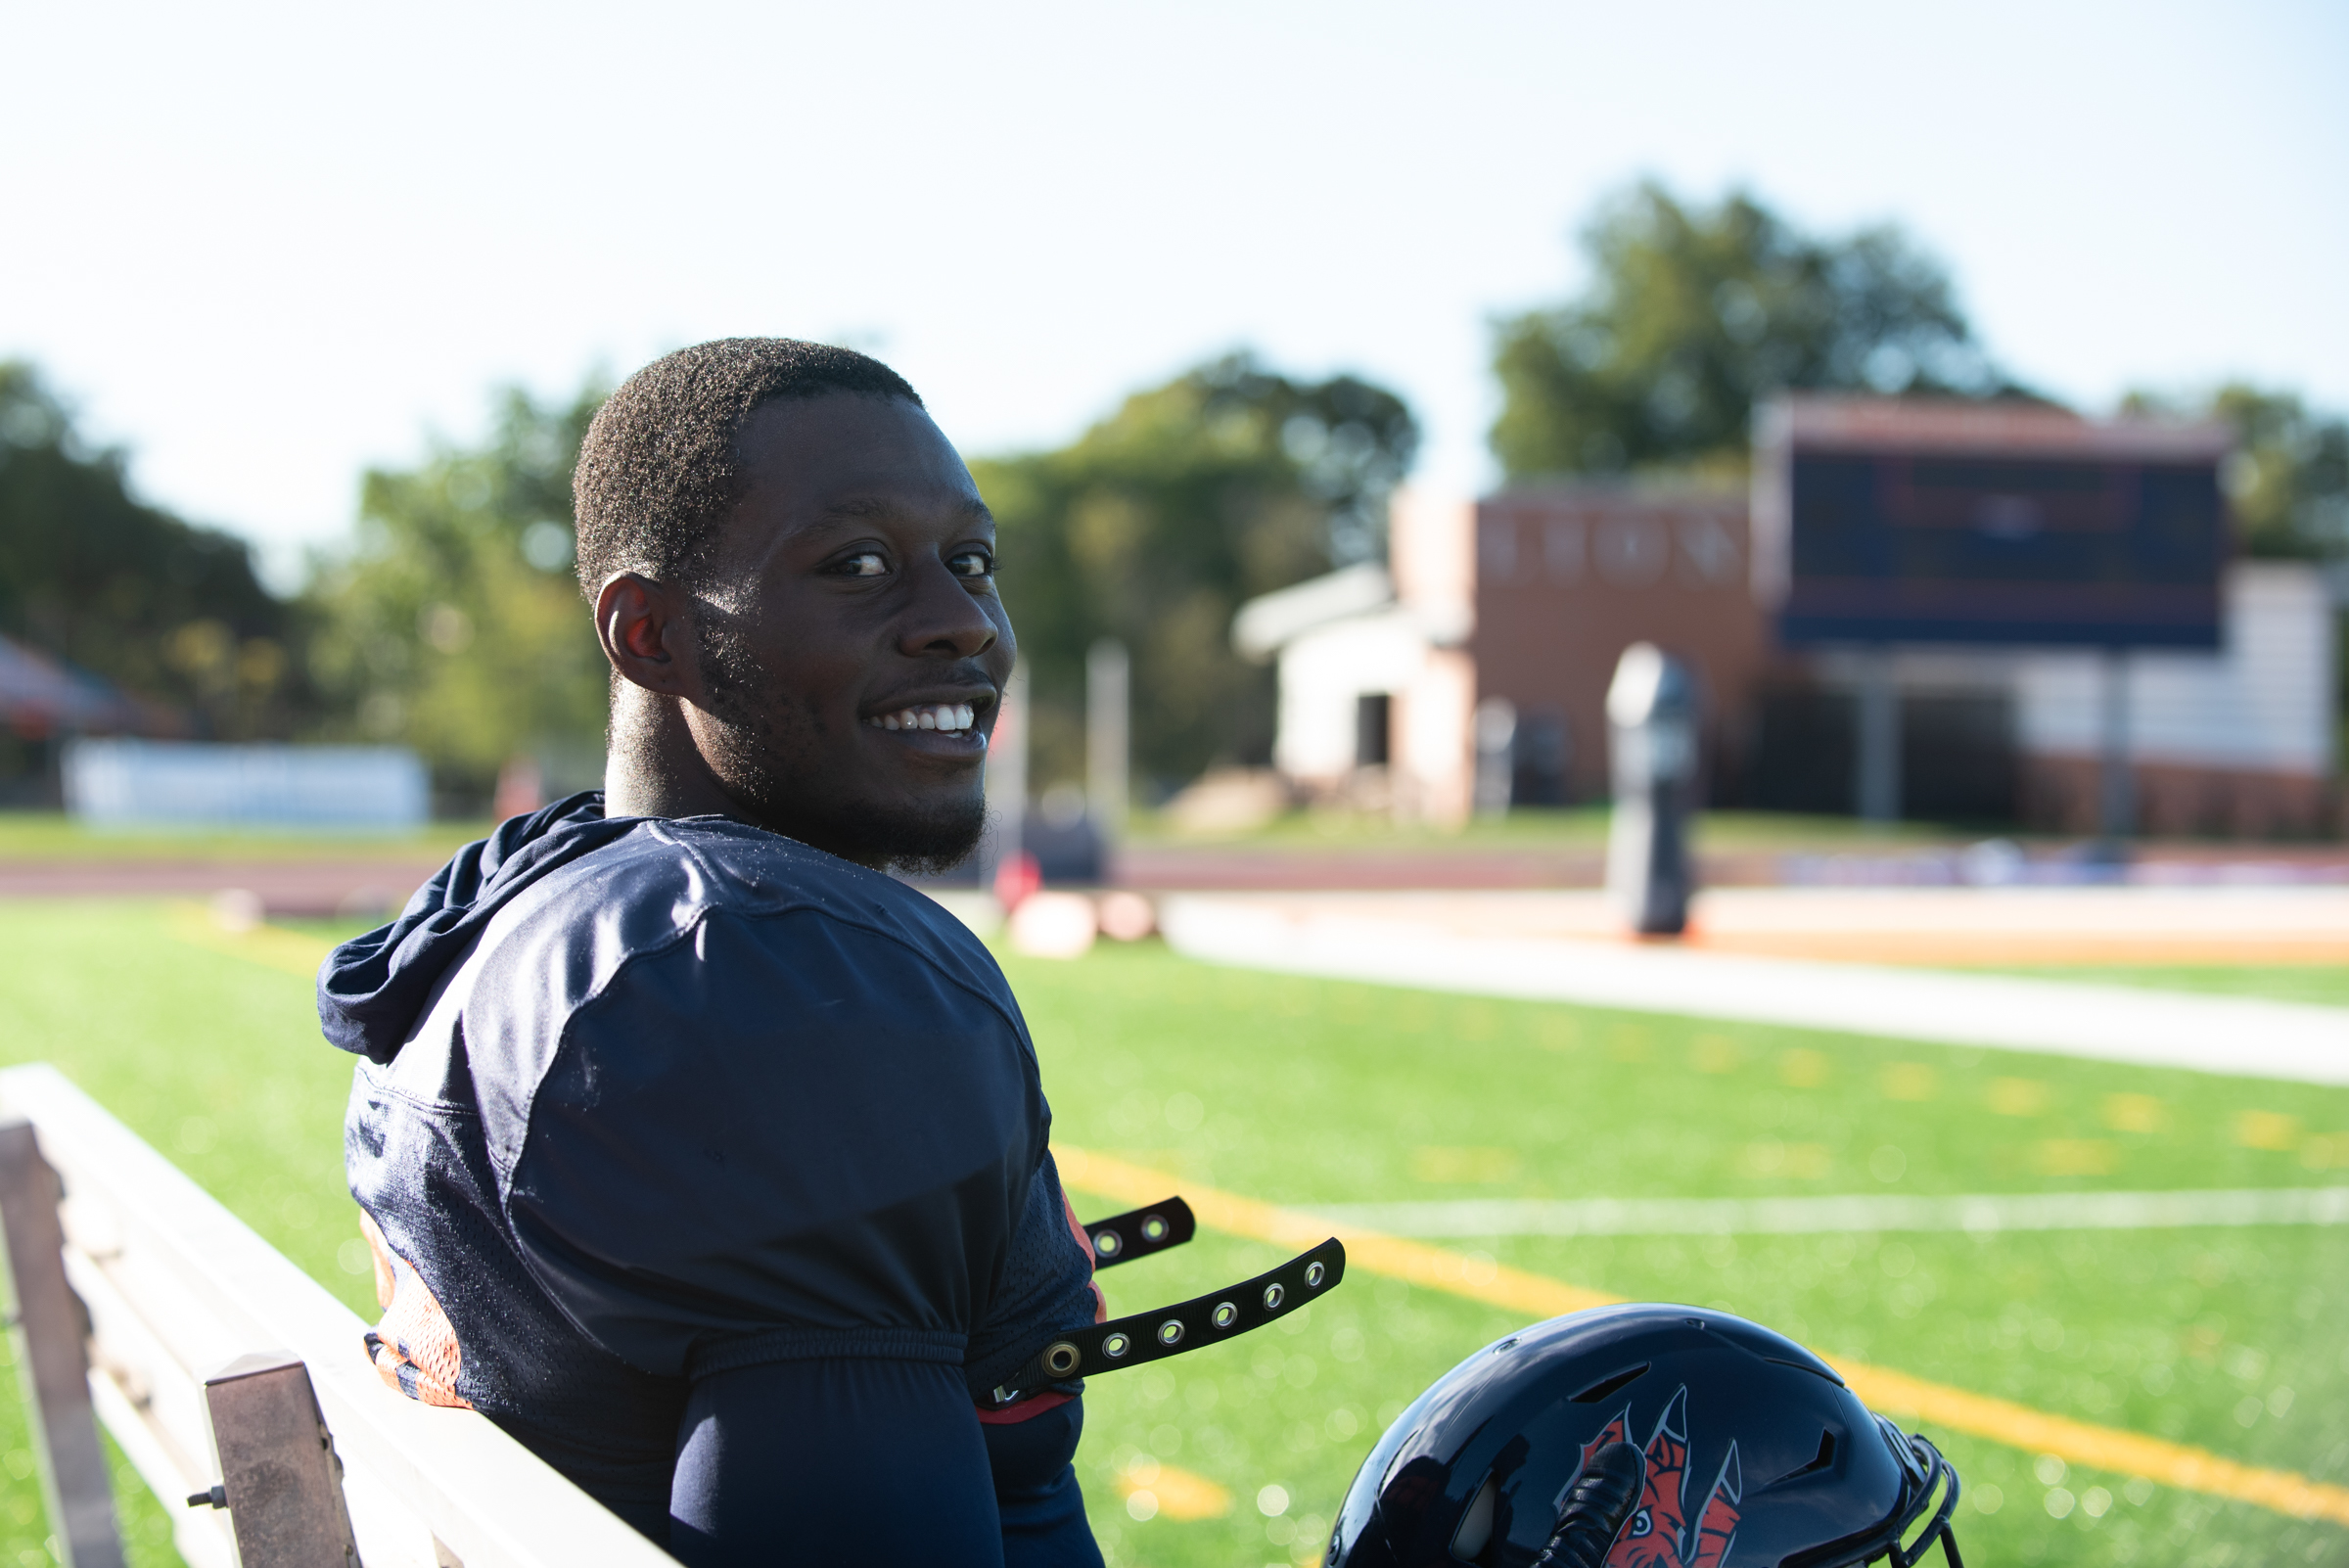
[(2327, 985), (1301, 1092), (215, 1060)]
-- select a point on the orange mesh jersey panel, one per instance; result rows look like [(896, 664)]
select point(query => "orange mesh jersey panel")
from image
[(414, 1347)]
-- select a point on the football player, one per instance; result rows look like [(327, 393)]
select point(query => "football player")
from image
[(698, 1153)]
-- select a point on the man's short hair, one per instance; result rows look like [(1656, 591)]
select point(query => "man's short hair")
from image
[(661, 464)]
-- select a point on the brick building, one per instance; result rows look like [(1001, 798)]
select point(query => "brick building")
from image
[(1530, 597), (1566, 579)]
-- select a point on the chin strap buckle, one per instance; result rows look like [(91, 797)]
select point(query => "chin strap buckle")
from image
[(1181, 1328)]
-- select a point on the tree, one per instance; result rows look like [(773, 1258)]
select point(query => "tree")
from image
[(455, 625), (1153, 527), (165, 610), (1693, 313), (2288, 480)]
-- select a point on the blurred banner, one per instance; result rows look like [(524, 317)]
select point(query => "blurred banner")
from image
[(132, 783)]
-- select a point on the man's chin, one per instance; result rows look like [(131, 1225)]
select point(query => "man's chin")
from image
[(921, 843)]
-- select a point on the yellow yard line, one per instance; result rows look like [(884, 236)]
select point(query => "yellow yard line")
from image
[(272, 946), (1478, 1279), (1177, 1492), (2101, 1447)]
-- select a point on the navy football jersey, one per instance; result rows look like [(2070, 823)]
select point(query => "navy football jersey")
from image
[(643, 1101)]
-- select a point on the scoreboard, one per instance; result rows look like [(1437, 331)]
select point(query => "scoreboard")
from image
[(1881, 521)]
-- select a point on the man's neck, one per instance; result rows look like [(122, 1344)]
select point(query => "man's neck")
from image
[(655, 769), (652, 767)]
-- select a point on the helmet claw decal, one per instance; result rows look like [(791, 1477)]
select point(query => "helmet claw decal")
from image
[(1618, 1430), (1660, 1533), (1717, 1525)]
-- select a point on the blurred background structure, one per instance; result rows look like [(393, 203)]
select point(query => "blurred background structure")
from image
[(2007, 667)]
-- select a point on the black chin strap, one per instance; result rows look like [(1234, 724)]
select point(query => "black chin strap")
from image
[(1154, 1227), (1179, 1330), (1596, 1509)]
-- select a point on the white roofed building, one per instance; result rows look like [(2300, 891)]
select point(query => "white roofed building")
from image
[(1377, 685)]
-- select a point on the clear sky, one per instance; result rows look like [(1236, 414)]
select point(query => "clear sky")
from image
[(264, 246)]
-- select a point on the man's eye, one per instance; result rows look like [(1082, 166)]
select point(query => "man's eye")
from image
[(971, 564), (863, 564)]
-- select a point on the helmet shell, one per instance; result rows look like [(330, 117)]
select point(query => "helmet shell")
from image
[(1750, 1442)]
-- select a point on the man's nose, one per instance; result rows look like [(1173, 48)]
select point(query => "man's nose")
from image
[(945, 617)]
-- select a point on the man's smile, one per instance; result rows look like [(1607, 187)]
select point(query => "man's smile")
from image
[(949, 718), (945, 721)]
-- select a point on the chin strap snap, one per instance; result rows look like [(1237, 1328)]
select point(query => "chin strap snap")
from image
[(1179, 1330)]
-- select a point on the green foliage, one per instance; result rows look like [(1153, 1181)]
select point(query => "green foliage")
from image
[(1692, 313), (165, 610), (455, 625), (2288, 480), (1153, 527)]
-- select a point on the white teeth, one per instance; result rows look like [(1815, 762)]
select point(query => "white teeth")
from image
[(951, 717)]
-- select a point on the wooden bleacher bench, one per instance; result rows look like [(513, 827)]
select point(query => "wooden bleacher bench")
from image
[(216, 1363)]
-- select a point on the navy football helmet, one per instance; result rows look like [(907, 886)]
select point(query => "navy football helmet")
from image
[(1644, 1436)]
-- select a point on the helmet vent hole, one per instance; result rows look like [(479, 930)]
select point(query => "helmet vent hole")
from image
[(1475, 1532), (1609, 1385), (1825, 1462)]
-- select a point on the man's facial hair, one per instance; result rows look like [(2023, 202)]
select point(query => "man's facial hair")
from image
[(908, 840)]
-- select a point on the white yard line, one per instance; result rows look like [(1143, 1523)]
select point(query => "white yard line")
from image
[(1980, 1213), (2232, 1035)]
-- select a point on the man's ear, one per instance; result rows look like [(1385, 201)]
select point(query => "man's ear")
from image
[(646, 629)]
